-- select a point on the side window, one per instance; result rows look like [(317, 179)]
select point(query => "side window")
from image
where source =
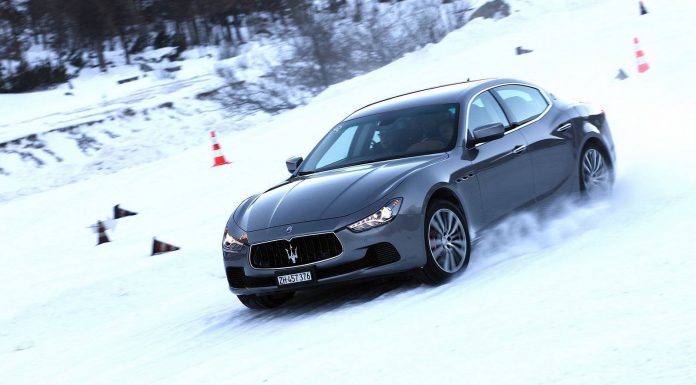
[(525, 103), (485, 110), (339, 149)]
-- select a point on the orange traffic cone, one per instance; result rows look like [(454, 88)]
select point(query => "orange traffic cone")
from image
[(100, 229), (640, 57), (159, 247), (120, 213), (217, 152), (621, 75), (521, 51)]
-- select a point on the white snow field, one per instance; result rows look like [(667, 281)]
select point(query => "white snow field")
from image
[(603, 293)]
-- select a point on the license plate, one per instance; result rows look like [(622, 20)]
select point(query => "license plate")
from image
[(289, 279)]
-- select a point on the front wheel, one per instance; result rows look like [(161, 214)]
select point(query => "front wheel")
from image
[(447, 244), (268, 301)]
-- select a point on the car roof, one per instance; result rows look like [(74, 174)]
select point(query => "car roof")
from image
[(444, 94)]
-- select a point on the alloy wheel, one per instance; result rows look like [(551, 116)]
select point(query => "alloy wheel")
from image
[(447, 240), (596, 176)]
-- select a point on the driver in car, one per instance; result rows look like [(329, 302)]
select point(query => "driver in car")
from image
[(390, 139)]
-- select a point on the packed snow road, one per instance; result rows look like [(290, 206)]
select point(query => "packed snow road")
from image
[(594, 294)]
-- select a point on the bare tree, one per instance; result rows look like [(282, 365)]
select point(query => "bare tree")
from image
[(12, 38)]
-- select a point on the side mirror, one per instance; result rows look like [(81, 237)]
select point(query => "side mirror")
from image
[(488, 132), (293, 163)]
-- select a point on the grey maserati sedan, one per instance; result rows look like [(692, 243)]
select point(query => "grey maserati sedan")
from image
[(407, 184)]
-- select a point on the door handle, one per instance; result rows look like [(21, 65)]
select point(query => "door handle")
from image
[(519, 149), (564, 127)]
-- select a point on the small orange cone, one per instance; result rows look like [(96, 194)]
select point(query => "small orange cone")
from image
[(521, 51), (120, 213), (640, 57), (217, 152), (621, 75), (100, 229), (159, 247)]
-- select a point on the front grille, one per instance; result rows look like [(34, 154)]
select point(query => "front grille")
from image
[(309, 249), (379, 254)]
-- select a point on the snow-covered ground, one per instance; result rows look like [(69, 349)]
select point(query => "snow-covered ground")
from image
[(599, 294), (96, 126), (98, 122)]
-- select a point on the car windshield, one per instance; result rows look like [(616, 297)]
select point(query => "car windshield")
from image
[(388, 135)]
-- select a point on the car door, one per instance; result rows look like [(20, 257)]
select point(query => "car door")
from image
[(502, 166), (547, 132)]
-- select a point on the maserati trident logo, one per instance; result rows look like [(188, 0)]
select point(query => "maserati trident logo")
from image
[(288, 230), (292, 254)]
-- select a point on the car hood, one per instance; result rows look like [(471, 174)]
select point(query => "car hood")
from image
[(328, 194)]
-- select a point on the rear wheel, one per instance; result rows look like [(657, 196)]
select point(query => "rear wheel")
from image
[(268, 301), (595, 173), (447, 244)]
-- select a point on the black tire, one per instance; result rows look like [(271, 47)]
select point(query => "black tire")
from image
[(590, 184), (432, 272), (268, 301)]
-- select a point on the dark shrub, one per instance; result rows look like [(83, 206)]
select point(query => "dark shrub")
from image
[(139, 45), (162, 40), (41, 76), (75, 59)]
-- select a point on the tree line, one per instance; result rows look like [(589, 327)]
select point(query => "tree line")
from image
[(71, 28), (65, 26), (334, 34)]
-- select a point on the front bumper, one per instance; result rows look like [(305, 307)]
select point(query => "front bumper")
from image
[(393, 248)]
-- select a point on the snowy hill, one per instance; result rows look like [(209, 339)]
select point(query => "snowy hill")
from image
[(598, 294), (97, 123)]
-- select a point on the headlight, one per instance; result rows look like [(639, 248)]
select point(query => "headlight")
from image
[(384, 215), (230, 243)]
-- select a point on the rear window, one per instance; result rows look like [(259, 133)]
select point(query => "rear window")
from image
[(485, 110), (525, 103)]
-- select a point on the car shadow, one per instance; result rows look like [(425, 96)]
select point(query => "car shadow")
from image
[(321, 300), (317, 302)]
